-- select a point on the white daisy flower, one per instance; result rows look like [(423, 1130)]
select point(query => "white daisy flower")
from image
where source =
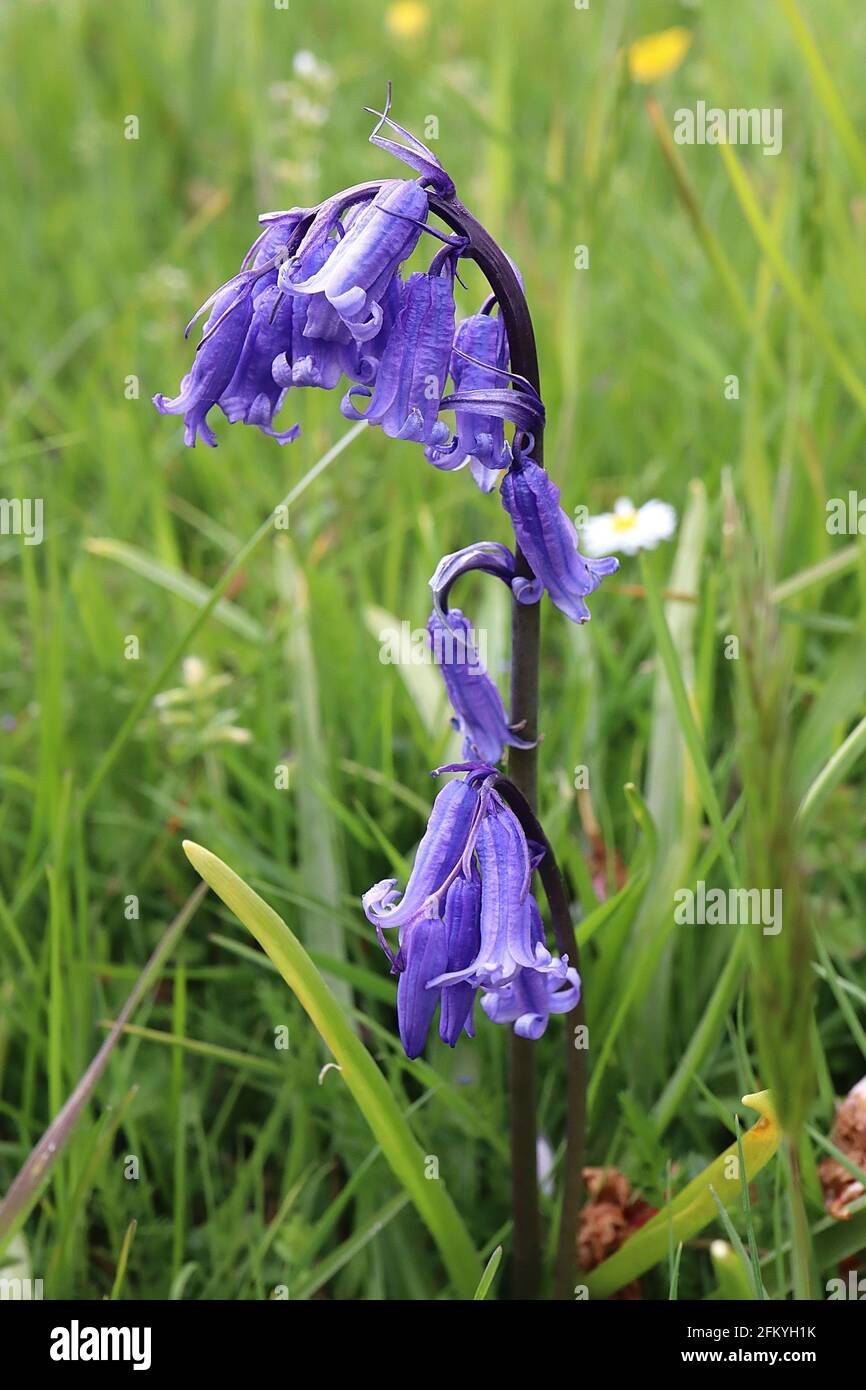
[(628, 528), (544, 1164)]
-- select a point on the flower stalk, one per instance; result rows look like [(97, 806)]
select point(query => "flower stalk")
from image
[(320, 296)]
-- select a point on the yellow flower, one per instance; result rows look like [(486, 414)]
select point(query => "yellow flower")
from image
[(408, 19), (655, 55)]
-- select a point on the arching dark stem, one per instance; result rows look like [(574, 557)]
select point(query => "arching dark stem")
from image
[(557, 901), (522, 763)]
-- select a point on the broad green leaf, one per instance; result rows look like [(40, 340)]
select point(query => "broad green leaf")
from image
[(694, 1207), (359, 1071)]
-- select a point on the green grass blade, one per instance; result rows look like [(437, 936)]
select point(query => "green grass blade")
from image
[(489, 1275), (832, 772), (685, 716), (789, 280), (733, 1283), (176, 583), (733, 1237), (217, 593), (826, 88)]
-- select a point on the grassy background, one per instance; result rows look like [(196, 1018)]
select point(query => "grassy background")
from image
[(251, 1173)]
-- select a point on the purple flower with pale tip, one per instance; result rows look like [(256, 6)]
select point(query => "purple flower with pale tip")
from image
[(548, 539), (429, 946), (480, 344), (530, 999), (411, 375), (273, 242), (467, 904), (356, 274), (478, 708), (491, 557), (317, 349)]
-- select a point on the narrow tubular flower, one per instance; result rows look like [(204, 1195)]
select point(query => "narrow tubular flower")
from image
[(463, 937), (214, 366), (478, 708), (425, 952), (317, 346), (411, 375), (548, 539), (490, 557), (467, 919), (357, 272), (480, 344), (450, 831)]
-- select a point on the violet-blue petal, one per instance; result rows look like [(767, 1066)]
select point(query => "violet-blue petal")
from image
[(491, 557), (463, 936), (411, 375), (548, 539), (214, 365), (425, 954), (479, 711), (480, 355), (506, 922), (530, 998), (252, 395), (522, 406), (437, 861), (378, 240), (276, 235)]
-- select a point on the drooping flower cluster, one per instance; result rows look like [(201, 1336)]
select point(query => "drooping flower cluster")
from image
[(467, 921), (321, 297)]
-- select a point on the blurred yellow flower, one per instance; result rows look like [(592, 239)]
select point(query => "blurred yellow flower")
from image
[(658, 55), (408, 19)]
